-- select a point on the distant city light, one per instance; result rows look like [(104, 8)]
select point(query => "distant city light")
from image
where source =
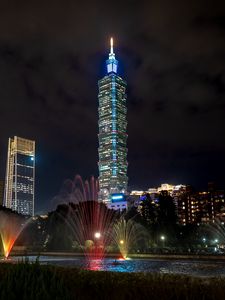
[(117, 197)]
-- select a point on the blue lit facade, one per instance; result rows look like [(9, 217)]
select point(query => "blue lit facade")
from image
[(112, 136)]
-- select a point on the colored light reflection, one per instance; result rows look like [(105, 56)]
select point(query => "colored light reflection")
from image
[(122, 258), (94, 265)]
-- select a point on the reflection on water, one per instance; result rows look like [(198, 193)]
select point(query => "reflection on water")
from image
[(94, 265), (186, 267)]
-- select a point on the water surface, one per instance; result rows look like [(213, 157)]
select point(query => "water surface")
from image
[(185, 267)]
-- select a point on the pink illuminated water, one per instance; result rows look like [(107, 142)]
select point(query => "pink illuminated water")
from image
[(90, 221)]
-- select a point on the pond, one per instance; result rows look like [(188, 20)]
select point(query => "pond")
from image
[(200, 268)]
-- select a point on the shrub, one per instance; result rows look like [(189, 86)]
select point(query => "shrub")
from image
[(34, 281)]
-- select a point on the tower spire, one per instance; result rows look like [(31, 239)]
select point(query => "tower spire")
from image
[(111, 54), (111, 45)]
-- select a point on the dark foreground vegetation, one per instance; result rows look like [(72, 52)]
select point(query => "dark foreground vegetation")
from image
[(35, 281)]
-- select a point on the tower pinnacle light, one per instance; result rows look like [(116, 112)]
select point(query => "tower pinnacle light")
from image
[(111, 54)]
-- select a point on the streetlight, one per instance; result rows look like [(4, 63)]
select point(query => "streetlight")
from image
[(204, 239), (163, 240), (121, 242), (97, 235), (97, 245)]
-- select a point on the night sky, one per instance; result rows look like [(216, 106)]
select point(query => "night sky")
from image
[(172, 55)]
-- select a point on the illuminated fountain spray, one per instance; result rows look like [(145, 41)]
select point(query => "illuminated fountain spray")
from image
[(93, 225), (11, 226), (127, 234), (77, 191), (91, 222), (216, 232)]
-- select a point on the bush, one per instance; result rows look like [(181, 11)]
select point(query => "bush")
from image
[(34, 281)]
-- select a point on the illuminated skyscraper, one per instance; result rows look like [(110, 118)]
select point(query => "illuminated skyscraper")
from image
[(112, 136), (20, 176)]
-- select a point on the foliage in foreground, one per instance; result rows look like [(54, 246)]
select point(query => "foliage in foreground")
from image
[(33, 281)]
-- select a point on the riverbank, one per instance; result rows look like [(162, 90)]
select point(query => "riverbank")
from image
[(35, 281), (179, 256)]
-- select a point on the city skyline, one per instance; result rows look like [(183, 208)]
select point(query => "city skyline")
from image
[(170, 54)]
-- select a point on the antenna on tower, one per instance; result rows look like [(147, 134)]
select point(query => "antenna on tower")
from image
[(111, 45), (111, 54)]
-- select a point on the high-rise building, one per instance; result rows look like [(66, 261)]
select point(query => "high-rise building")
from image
[(112, 136), (20, 176)]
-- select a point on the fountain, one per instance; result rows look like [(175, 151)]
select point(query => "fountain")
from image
[(90, 221), (91, 224), (11, 225), (216, 234), (127, 233), (77, 191)]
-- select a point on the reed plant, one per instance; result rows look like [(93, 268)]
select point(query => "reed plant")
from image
[(32, 281)]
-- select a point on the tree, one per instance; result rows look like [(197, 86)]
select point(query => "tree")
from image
[(166, 216), (148, 211)]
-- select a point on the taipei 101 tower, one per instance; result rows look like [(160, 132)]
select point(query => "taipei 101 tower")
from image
[(112, 135)]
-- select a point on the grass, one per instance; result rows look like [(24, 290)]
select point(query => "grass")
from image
[(34, 281)]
